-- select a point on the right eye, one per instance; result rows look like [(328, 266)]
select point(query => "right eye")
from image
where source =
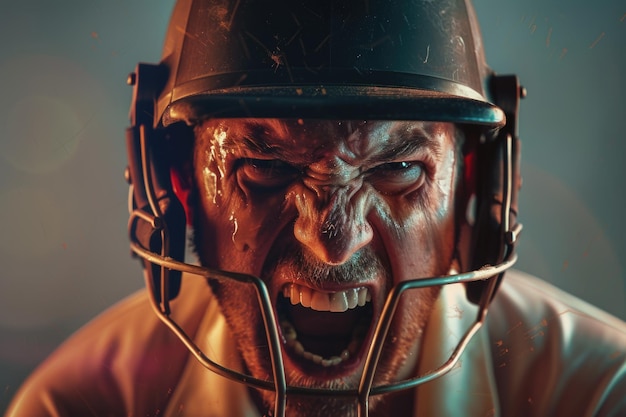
[(267, 173), (396, 177)]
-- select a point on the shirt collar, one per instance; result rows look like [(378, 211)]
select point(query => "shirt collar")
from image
[(468, 389)]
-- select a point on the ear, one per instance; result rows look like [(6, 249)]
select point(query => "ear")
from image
[(182, 186)]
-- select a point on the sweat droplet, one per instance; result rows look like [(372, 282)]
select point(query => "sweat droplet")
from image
[(210, 184), (238, 237)]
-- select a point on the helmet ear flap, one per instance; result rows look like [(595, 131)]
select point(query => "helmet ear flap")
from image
[(157, 218), (497, 182)]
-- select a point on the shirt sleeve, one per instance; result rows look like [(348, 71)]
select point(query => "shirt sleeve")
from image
[(613, 400), (125, 362), (554, 354)]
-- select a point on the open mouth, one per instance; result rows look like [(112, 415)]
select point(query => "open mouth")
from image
[(324, 328)]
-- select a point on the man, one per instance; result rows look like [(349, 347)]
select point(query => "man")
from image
[(349, 171)]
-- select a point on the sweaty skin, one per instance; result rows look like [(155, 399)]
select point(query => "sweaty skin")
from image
[(328, 206)]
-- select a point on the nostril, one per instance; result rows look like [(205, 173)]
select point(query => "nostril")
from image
[(330, 229), (334, 243)]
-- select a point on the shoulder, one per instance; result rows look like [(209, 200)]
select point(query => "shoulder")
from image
[(524, 297), (529, 301), (555, 352), (123, 362)]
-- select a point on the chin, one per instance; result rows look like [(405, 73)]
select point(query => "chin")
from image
[(326, 316), (322, 348)]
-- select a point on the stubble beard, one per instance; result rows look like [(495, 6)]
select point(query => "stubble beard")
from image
[(251, 339)]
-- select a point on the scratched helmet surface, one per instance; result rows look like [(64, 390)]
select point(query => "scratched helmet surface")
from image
[(325, 59)]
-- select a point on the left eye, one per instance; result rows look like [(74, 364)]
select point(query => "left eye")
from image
[(395, 177), (267, 173)]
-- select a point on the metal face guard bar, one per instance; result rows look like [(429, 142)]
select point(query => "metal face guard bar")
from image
[(149, 218), (278, 385), (144, 217), (159, 299)]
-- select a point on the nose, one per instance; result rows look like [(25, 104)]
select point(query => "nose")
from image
[(332, 220)]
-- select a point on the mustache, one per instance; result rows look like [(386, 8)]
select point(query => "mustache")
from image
[(363, 266)]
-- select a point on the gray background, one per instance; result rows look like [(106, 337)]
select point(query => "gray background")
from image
[(63, 111)]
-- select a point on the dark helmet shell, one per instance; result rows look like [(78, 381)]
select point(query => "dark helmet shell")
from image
[(364, 59)]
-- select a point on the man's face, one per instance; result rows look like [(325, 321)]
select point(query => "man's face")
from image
[(331, 215)]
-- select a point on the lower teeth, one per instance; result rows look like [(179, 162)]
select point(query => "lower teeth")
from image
[(291, 340)]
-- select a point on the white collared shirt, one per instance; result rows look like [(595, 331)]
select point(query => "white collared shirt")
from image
[(541, 353)]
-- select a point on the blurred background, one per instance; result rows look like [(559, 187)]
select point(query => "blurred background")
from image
[(63, 110)]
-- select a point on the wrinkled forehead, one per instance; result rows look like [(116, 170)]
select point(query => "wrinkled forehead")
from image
[(309, 137)]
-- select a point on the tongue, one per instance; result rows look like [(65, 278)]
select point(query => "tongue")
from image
[(324, 333)]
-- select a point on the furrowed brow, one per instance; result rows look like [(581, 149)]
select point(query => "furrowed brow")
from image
[(407, 145), (257, 145), (256, 138)]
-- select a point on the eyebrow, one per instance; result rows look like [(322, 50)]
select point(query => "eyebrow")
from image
[(407, 145), (403, 144), (256, 139)]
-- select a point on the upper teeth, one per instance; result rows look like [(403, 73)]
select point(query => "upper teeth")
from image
[(337, 301)]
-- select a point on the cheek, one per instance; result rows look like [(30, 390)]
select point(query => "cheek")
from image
[(418, 230), (237, 227), (216, 224), (419, 245)]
